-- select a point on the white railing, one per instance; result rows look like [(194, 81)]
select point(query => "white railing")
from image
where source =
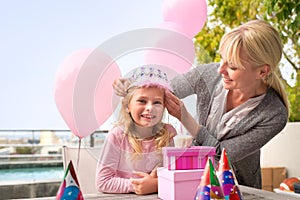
[(40, 146)]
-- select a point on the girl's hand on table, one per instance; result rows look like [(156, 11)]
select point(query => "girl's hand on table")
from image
[(146, 184)]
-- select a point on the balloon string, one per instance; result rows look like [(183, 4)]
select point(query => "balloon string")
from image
[(78, 155)]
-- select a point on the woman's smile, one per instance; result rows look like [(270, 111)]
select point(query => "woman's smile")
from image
[(226, 80)]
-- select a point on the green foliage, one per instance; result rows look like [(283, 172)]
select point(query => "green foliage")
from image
[(284, 15), (294, 98)]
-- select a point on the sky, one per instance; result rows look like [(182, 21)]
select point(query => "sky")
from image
[(36, 36)]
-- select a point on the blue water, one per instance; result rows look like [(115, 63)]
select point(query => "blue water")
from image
[(24, 174)]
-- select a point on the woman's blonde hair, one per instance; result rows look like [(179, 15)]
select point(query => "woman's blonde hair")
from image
[(161, 137), (261, 44)]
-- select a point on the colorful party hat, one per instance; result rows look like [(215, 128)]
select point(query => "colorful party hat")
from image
[(227, 178), (69, 188), (209, 187)]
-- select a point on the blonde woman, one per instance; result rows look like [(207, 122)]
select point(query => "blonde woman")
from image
[(241, 103), (132, 150)]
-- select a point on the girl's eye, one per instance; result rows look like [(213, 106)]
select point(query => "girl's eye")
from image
[(141, 101), (157, 102)]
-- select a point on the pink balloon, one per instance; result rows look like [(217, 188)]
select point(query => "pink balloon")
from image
[(190, 15), (167, 59), (177, 53), (67, 82), (105, 99), (175, 27)]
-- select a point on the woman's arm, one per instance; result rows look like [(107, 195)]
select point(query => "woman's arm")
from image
[(252, 133), (199, 80)]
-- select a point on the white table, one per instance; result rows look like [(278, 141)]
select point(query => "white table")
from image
[(248, 194)]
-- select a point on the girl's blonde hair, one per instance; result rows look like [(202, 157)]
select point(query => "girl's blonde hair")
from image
[(162, 136), (261, 44)]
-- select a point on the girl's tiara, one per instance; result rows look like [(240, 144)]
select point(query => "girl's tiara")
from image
[(149, 76)]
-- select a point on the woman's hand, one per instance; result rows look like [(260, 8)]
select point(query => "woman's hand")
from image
[(120, 86), (173, 105), (177, 109), (146, 184)]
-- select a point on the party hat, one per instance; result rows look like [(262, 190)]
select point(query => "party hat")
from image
[(209, 187), (227, 178), (69, 188)]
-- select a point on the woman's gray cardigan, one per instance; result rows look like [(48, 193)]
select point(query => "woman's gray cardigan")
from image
[(244, 141)]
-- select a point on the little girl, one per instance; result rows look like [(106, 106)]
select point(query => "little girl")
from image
[(132, 150)]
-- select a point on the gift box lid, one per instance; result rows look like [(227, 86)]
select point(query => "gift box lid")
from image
[(179, 175), (192, 151)]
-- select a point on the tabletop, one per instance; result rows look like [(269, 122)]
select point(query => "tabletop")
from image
[(247, 192)]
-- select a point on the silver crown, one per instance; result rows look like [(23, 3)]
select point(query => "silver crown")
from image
[(148, 75)]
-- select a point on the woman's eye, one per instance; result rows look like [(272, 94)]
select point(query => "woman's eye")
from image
[(233, 68), (157, 102)]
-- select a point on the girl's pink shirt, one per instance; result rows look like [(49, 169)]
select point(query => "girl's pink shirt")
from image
[(116, 165)]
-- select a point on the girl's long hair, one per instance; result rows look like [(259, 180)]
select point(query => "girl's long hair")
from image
[(162, 136)]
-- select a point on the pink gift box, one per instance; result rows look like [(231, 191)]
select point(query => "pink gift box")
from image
[(178, 184), (194, 157)]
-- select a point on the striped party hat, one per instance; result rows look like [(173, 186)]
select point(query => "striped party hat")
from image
[(69, 188)]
